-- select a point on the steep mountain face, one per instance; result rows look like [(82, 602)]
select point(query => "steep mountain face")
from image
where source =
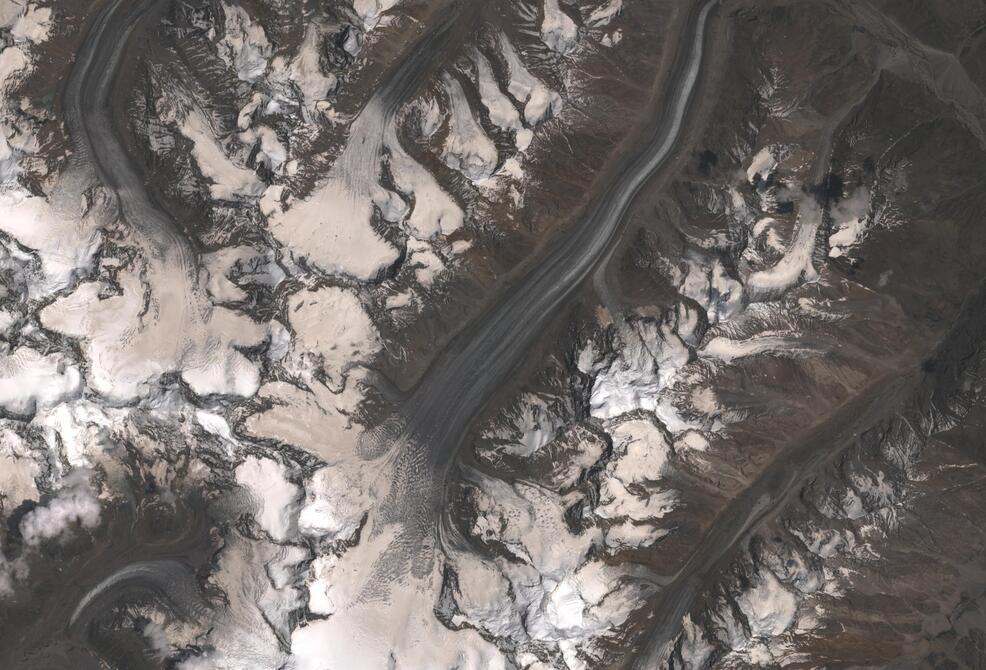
[(445, 334)]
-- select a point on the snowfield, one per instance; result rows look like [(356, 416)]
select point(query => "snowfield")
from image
[(331, 325), (29, 380)]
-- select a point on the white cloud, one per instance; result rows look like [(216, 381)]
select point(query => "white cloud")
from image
[(10, 572), (75, 504)]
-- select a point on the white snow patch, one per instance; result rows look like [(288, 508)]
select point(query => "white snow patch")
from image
[(431, 117), (229, 181), (400, 300), (321, 598), (711, 287), (129, 346), (590, 602), (275, 495), (483, 598), (530, 425), (332, 229), (273, 153), (301, 418), (634, 535), (616, 501), (27, 22), (65, 244), (551, 594), (244, 46), (392, 207), (612, 39), (305, 71), (467, 148), (530, 522), (641, 451), (401, 631), (9, 11), (769, 607), (502, 112), (540, 103), (427, 265), (370, 11), (334, 505), (796, 265), (648, 356), (695, 649), (768, 226), (18, 472), (78, 430), (763, 164), (230, 267), (7, 319), (433, 211), (604, 14), (215, 424), (11, 572), (849, 221), (256, 577), (558, 30), (692, 440), (781, 344), (245, 116), (13, 63), (332, 325)]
